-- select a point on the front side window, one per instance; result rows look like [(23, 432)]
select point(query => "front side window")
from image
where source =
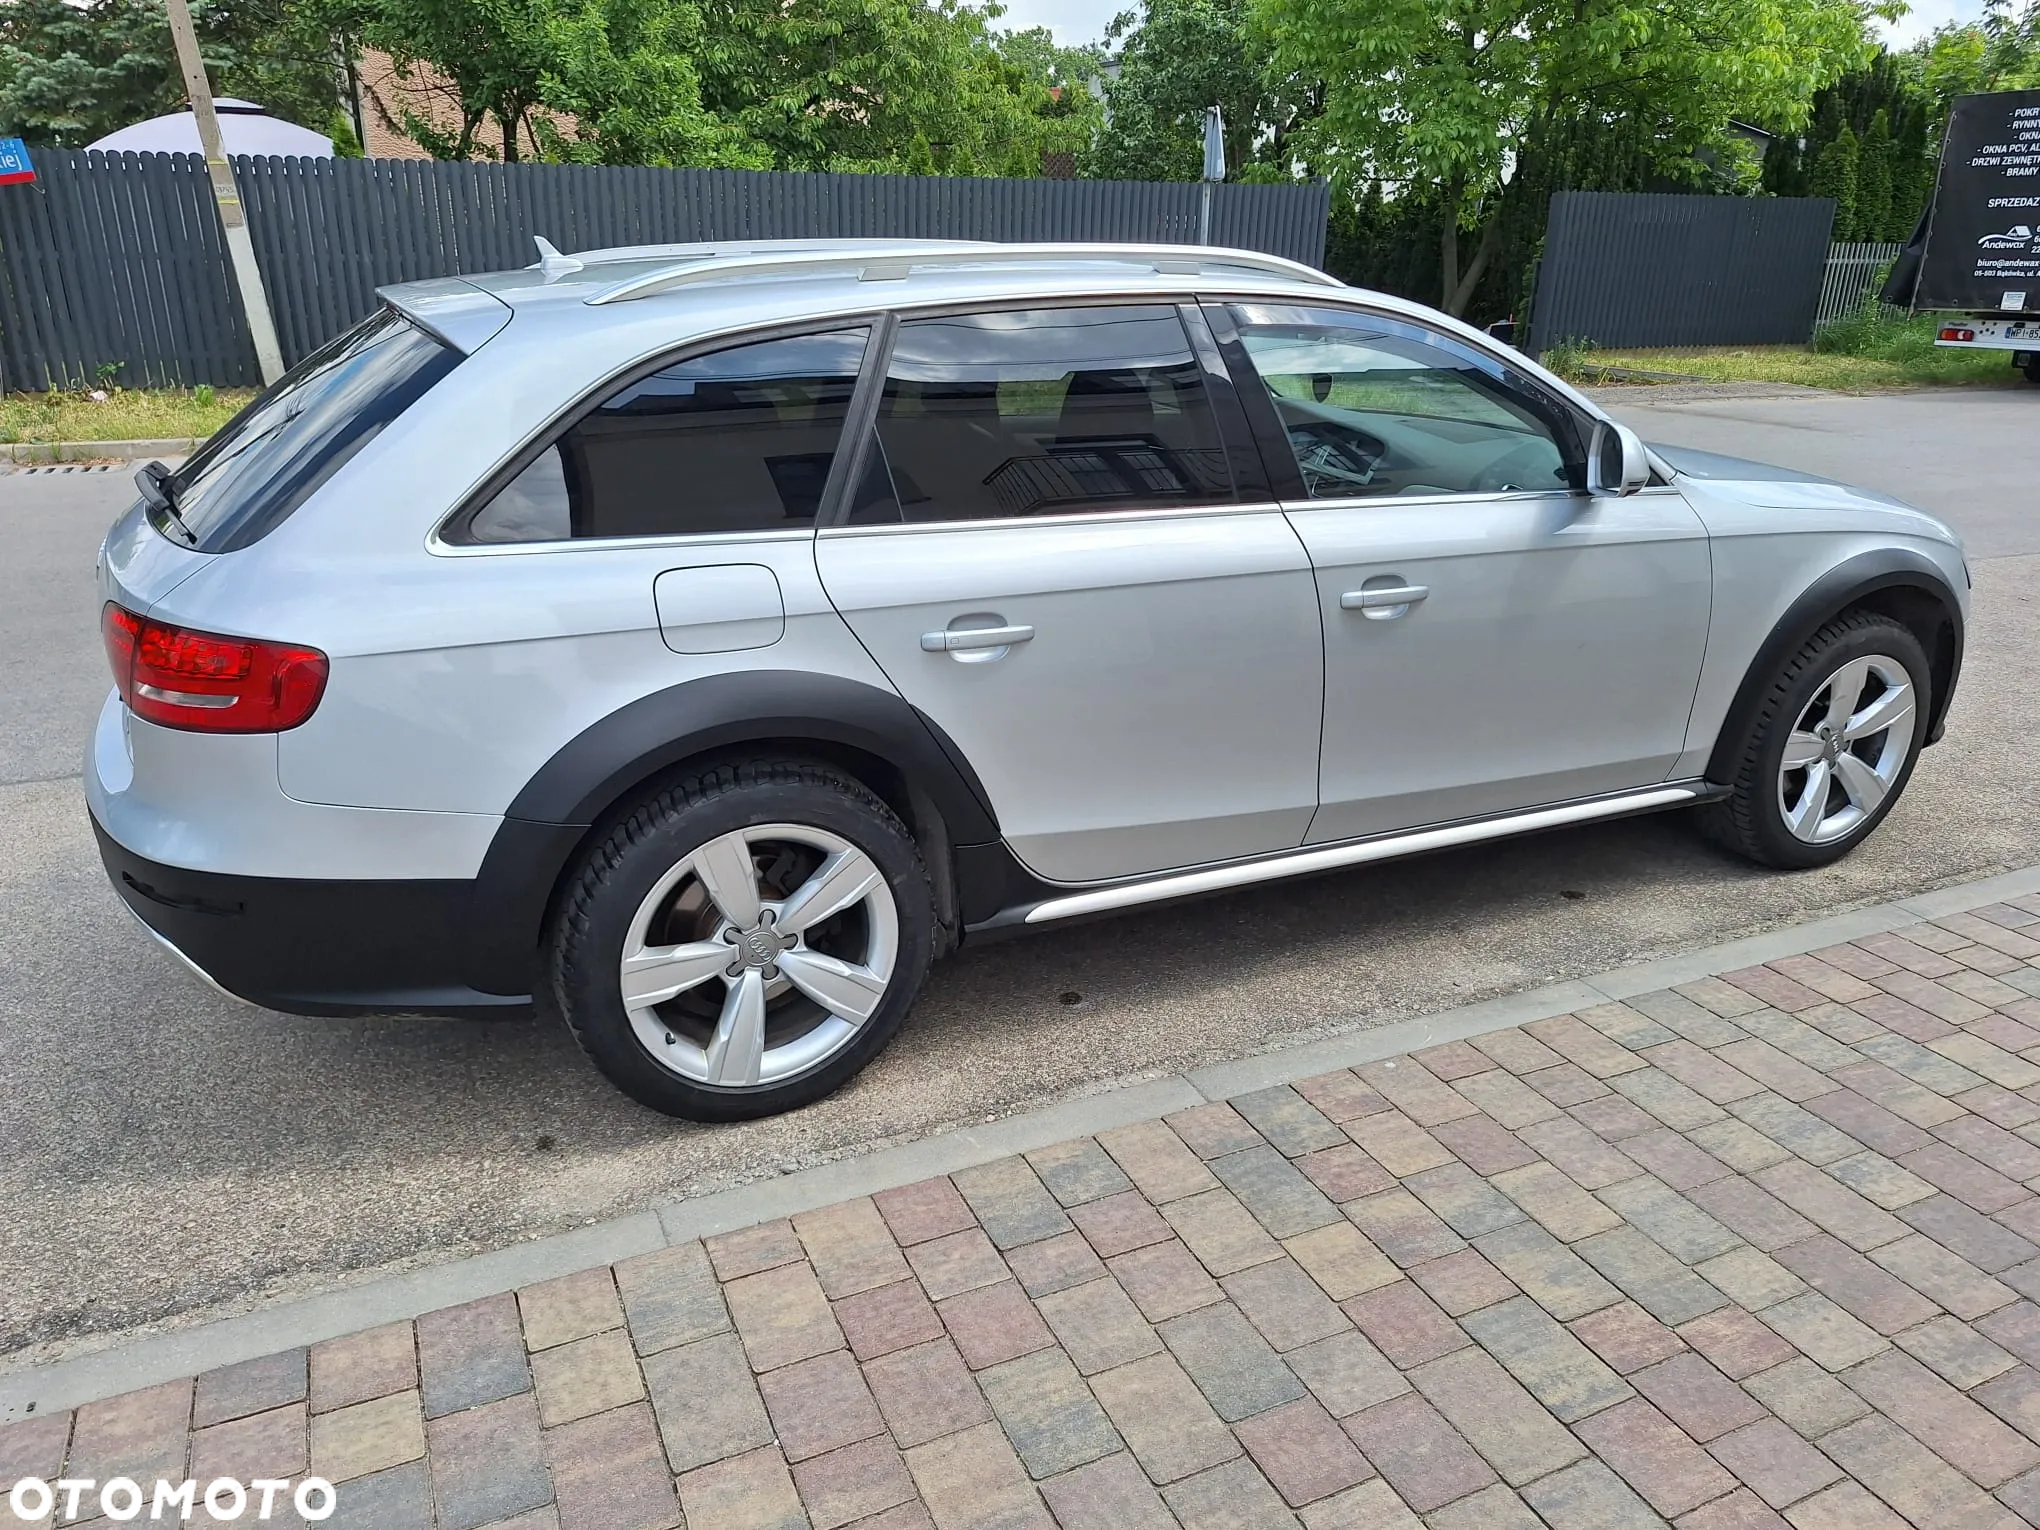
[(1374, 407), (739, 440), (1042, 411), (268, 459)]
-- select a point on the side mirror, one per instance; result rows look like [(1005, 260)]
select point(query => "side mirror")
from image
[(1616, 463)]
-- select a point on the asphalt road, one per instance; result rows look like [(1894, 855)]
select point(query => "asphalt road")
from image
[(164, 1153)]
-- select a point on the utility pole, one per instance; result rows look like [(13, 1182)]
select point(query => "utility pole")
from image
[(1214, 166), (240, 248)]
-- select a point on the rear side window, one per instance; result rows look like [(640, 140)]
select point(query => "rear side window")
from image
[(1043, 411), (268, 459), (739, 440)]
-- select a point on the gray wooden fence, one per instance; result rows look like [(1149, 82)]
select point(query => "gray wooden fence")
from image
[(112, 265), (1637, 269)]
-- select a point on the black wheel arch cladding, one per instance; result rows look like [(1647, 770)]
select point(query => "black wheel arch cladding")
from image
[(1749, 819), (1895, 582), (609, 761)]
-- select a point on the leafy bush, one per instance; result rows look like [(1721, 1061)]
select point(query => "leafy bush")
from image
[(1567, 357), (1882, 333), (1877, 333)]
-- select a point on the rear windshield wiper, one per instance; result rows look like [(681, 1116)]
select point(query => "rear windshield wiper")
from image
[(154, 480)]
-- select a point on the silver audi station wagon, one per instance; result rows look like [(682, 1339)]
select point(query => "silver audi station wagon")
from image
[(704, 639)]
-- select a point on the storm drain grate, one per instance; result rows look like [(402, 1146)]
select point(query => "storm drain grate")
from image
[(72, 467)]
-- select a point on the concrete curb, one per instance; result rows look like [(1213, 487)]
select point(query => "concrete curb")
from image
[(31, 452), (142, 1362)]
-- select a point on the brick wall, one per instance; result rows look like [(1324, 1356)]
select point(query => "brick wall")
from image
[(387, 95)]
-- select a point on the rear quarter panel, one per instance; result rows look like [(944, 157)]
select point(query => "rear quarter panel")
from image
[(475, 670), (457, 673)]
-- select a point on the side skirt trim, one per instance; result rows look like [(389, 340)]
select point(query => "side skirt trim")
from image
[(1292, 863)]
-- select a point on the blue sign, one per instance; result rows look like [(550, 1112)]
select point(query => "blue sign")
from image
[(14, 162)]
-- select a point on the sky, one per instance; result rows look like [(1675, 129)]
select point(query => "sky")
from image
[(1926, 15), (1074, 22), (1082, 21)]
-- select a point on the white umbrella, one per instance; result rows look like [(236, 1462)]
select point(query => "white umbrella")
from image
[(244, 129)]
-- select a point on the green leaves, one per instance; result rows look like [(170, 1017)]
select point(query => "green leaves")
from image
[(72, 73), (891, 85), (1452, 91), (1835, 174), (874, 85), (1451, 103), (2000, 51), (1176, 58), (624, 70)]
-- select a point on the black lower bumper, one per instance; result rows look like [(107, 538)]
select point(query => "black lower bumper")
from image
[(314, 947)]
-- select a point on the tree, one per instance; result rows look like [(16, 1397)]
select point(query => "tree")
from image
[(279, 54), (2012, 59), (873, 85), (882, 85), (1893, 115), (71, 73), (1177, 58), (2001, 51), (1912, 177), (1835, 174), (1873, 181), (1447, 101), (1037, 54), (623, 70), (1070, 121), (493, 53)]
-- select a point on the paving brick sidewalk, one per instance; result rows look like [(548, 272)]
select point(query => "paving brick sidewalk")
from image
[(1761, 1250)]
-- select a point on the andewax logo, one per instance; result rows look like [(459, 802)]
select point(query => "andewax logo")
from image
[(224, 1499)]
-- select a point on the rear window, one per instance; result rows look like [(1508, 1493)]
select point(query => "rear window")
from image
[(268, 459)]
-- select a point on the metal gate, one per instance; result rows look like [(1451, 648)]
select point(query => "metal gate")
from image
[(1852, 271)]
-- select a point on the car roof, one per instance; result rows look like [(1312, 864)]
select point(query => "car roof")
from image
[(914, 269), (667, 292)]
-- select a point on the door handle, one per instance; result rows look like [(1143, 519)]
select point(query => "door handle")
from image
[(1384, 603), (957, 640)]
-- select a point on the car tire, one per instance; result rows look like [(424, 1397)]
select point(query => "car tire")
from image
[(1846, 766), (2032, 370), (788, 911)]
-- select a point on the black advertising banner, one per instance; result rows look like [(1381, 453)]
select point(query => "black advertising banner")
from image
[(1983, 249)]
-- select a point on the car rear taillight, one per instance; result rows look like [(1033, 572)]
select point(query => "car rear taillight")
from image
[(207, 683), (1956, 332)]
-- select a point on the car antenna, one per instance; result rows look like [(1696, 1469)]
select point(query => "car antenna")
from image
[(551, 261)]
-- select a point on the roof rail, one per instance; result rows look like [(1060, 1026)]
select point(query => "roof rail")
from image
[(878, 266), (724, 249)]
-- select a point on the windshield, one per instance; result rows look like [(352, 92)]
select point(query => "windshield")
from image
[(268, 459)]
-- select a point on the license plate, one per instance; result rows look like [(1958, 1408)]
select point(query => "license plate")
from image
[(2018, 332)]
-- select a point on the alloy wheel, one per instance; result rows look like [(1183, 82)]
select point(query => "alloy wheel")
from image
[(1846, 749), (759, 956)]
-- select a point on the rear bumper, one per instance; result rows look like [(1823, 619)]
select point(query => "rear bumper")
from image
[(1989, 332), (312, 947), (2020, 348)]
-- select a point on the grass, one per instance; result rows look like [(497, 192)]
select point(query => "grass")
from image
[(118, 414), (1863, 353)]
